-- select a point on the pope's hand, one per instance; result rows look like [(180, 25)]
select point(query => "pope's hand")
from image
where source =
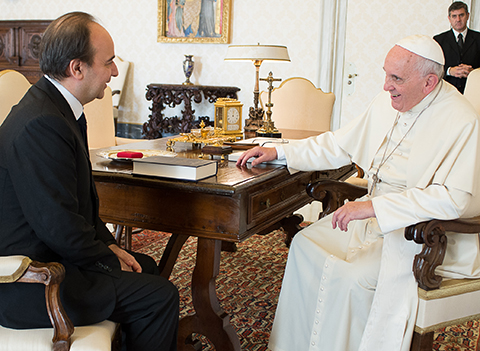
[(352, 211), (262, 154)]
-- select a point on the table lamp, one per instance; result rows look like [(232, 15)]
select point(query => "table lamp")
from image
[(256, 53)]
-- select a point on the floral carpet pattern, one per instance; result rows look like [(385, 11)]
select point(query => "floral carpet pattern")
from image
[(248, 286)]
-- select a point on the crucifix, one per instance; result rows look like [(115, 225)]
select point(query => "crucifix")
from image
[(268, 129)]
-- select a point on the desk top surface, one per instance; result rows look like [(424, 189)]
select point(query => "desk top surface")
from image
[(229, 177)]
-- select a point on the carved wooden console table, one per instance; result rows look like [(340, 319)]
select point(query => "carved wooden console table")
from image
[(171, 95)]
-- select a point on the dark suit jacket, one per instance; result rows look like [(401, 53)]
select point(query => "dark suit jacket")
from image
[(49, 212), (453, 57)]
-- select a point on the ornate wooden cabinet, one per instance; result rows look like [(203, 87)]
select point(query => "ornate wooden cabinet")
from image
[(19, 46)]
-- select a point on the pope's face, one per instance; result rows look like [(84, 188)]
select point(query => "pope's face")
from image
[(458, 19), (402, 79)]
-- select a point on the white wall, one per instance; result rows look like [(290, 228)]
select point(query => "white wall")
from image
[(373, 27), (133, 26)]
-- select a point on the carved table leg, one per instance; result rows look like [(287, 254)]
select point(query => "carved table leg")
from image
[(187, 113), (170, 255), (209, 318), (422, 342), (291, 226)]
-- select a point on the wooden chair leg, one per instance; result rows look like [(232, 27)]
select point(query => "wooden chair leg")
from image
[(118, 234), (422, 342), (128, 238)]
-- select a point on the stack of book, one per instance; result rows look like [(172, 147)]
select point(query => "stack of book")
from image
[(175, 167)]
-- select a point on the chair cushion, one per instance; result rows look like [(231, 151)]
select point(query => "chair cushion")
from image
[(357, 181), (13, 267), (454, 303), (96, 337)]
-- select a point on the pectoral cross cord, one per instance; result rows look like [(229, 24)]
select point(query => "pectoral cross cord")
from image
[(375, 177)]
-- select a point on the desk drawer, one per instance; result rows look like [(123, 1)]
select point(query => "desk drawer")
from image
[(264, 203)]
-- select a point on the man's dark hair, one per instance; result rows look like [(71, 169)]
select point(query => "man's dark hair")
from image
[(65, 39), (457, 5)]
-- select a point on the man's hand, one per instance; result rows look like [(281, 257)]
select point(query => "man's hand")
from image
[(352, 211), (460, 71), (263, 154), (127, 261)]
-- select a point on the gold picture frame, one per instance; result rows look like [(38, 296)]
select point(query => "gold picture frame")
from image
[(194, 21)]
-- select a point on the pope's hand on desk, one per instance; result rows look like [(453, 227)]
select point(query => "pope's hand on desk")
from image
[(352, 211), (262, 154), (127, 261)]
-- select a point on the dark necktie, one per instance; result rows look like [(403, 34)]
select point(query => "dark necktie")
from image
[(460, 42), (82, 123)]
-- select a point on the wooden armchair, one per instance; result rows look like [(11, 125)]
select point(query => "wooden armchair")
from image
[(441, 303), (101, 336)]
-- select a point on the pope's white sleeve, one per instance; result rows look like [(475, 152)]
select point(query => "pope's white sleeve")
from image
[(315, 153), (398, 210)]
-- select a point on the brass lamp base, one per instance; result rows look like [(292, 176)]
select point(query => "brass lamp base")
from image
[(269, 134)]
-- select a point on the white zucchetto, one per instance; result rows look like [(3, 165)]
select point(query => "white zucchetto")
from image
[(423, 46)]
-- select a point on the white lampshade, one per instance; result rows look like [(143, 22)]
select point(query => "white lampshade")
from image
[(257, 52)]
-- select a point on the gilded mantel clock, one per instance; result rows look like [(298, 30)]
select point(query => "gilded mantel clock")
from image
[(228, 116)]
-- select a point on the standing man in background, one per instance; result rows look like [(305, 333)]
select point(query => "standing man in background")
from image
[(460, 45)]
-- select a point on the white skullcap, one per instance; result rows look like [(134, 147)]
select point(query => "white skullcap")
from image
[(423, 46)]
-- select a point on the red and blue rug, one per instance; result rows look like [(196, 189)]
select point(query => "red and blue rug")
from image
[(248, 286)]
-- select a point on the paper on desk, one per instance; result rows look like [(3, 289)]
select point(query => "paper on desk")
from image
[(262, 141), (234, 156)]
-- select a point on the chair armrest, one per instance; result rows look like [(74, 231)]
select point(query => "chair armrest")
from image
[(332, 194), (51, 275), (432, 235)]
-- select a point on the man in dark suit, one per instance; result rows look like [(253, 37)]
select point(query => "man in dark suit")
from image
[(49, 205), (460, 45)]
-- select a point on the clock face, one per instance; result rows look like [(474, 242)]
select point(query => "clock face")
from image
[(232, 115)]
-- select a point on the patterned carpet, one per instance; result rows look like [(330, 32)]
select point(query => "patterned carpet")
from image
[(248, 286)]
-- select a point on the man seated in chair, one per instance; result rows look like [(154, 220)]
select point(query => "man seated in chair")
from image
[(348, 282), (49, 205)]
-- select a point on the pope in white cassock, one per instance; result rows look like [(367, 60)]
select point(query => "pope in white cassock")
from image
[(348, 282)]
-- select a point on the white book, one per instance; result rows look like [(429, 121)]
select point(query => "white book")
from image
[(175, 167)]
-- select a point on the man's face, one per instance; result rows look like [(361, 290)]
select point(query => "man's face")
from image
[(103, 68), (402, 79), (458, 19)]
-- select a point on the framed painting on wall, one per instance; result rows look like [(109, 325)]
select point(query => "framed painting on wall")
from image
[(194, 21)]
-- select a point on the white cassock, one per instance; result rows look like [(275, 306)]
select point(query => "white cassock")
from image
[(355, 290)]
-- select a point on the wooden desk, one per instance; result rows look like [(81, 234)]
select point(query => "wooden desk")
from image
[(171, 95), (231, 206)]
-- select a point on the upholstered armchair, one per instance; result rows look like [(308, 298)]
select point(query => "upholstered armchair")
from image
[(101, 134), (299, 97), (442, 303), (13, 85), (62, 336)]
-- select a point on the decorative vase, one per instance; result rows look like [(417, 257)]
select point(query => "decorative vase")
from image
[(188, 65)]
